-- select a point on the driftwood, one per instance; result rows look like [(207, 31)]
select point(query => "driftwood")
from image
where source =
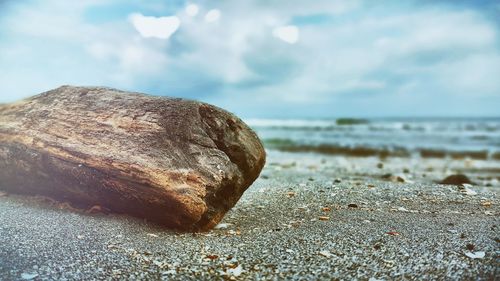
[(176, 162)]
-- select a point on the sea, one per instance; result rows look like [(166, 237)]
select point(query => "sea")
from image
[(474, 138)]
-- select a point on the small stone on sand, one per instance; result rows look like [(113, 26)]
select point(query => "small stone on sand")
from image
[(457, 179)]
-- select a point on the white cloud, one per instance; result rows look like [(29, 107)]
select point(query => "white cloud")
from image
[(289, 33), (192, 10), (416, 42), (212, 15), (155, 27), (433, 30), (137, 58), (476, 75), (301, 7), (100, 50)]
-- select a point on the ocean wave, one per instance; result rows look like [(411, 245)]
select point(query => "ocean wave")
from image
[(291, 146), (289, 123), (304, 123), (476, 138), (421, 126), (288, 145)]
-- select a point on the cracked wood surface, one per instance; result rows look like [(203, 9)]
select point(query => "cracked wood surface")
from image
[(177, 162)]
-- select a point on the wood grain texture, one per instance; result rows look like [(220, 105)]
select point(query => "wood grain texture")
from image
[(180, 163)]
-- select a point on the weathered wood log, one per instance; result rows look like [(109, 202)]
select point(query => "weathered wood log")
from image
[(177, 162)]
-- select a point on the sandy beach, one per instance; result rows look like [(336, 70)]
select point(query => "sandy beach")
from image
[(307, 217)]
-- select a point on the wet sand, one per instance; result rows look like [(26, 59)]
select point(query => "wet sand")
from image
[(307, 217)]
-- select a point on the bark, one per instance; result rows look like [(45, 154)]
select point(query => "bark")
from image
[(176, 162)]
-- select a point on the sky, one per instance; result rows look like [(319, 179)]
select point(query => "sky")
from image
[(263, 59)]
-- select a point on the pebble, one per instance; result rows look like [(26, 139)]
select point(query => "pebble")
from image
[(475, 255), (29, 276), (236, 272), (456, 179), (222, 226), (325, 253)]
